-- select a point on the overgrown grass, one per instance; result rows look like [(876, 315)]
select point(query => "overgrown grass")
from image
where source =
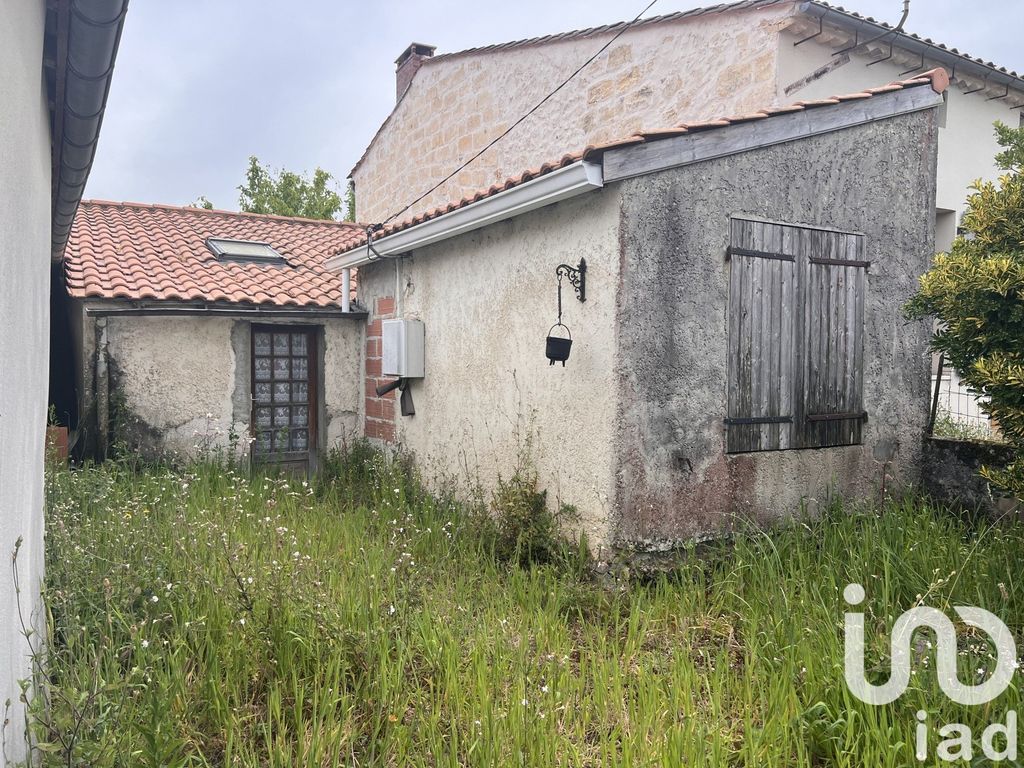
[(207, 618), (955, 428)]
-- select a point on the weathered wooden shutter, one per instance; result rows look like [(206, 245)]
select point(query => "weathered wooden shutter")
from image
[(835, 280), (796, 310), (762, 336)]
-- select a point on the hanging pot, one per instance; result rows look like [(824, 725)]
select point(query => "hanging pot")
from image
[(557, 347)]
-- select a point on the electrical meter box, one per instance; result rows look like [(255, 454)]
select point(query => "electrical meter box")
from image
[(402, 348)]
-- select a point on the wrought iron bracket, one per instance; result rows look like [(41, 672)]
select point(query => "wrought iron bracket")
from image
[(577, 276), (821, 30), (982, 87)]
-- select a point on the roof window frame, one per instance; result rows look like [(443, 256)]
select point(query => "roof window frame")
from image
[(273, 258)]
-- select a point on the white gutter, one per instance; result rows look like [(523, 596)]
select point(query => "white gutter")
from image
[(558, 185)]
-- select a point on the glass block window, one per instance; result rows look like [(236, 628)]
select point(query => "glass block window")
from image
[(282, 364)]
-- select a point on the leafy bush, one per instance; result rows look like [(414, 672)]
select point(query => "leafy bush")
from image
[(526, 530), (976, 291)]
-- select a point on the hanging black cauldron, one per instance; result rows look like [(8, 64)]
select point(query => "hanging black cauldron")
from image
[(557, 347)]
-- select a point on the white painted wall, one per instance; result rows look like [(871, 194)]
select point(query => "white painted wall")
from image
[(967, 142), (175, 375), (24, 343), (487, 300)]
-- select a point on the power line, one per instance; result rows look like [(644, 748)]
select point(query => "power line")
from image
[(508, 130)]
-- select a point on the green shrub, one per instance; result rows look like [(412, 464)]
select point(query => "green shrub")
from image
[(976, 292), (527, 531)]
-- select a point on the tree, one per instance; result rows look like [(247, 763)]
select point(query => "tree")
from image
[(288, 194), (976, 291), (350, 201), (201, 202)]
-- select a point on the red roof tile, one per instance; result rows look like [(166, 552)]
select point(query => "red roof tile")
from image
[(158, 252), (937, 78)]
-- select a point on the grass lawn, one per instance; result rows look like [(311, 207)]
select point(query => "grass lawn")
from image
[(203, 617)]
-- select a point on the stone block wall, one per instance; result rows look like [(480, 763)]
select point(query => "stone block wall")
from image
[(653, 76), (951, 469)]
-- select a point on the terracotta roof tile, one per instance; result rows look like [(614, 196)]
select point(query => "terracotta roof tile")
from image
[(937, 78), (823, 102), (158, 252)]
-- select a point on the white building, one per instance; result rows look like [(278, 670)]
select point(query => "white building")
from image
[(55, 66)]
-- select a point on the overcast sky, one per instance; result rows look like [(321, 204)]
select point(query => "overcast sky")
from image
[(202, 84)]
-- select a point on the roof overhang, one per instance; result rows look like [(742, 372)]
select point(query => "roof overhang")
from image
[(882, 34), (100, 307), (562, 184), (80, 47)]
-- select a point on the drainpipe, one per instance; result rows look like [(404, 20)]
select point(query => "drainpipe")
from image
[(398, 287), (102, 390), (346, 289)]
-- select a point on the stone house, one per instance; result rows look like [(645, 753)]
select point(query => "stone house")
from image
[(195, 330), (738, 348), (728, 59), (56, 60)]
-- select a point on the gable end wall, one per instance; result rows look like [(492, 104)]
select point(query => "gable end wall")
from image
[(652, 76)]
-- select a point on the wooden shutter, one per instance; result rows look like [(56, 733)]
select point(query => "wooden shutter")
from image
[(762, 335), (796, 316), (835, 279)]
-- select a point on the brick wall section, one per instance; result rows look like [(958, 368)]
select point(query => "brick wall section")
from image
[(652, 77), (380, 411)]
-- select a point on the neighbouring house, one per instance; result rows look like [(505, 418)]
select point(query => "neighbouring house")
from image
[(56, 60), (727, 59), (741, 349), (195, 330)]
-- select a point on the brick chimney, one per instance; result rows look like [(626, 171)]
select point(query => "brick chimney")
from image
[(408, 63)]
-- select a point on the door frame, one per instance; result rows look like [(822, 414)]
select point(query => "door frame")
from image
[(289, 458)]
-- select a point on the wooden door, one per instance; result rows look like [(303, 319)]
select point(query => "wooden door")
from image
[(284, 396)]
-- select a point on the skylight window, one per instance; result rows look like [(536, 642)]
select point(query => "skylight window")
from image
[(244, 250)]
